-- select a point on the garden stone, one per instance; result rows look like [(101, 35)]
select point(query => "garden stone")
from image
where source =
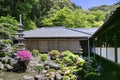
[(67, 72), (47, 67), (85, 58), (41, 77), (12, 61), (8, 48), (99, 69), (9, 67), (27, 77), (32, 64), (52, 65), (44, 71), (19, 67), (14, 55), (58, 77), (52, 75), (1, 66), (1, 78)]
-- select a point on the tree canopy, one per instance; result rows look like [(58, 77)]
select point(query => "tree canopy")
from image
[(8, 27), (39, 13)]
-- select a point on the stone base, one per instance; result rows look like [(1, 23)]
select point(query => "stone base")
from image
[(28, 77)]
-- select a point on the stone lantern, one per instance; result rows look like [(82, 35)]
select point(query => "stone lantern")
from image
[(80, 51), (21, 45)]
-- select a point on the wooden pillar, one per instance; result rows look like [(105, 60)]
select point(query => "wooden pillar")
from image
[(115, 42)]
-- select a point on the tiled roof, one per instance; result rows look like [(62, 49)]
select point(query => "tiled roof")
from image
[(89, 31), (55, 32)]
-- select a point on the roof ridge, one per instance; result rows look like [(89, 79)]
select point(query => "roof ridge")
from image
[(79, 31)]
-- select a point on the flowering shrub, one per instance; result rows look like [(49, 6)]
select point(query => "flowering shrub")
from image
[(24, 55)]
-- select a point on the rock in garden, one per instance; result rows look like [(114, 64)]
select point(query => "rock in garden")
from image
[(52, 65), (27, 77), (47, 67), (41, 77), (58, 77), (1, 66), (44, 71), (1, 78), (9, 67)]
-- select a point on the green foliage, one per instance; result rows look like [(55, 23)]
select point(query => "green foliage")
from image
[(80, 63), (2, 54), (77, 18), (72, 77), (39, 68), (67, 61), (107, 9), (15, 48), (66, 78), (58, 60), (69, 77), (67, 53), (35, 52), (54, 54), (54, 13), (43, 57), (92, 76), (5, 60), (8, 26), (28, 24), (7, 41)]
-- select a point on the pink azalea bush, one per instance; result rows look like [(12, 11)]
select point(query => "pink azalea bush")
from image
[(24, 55)]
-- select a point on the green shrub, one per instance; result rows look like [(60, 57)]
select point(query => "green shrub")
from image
[(35, 52), (7, 41), (5, 60), (92, 76), (58, 60), (43, 57), (80, 63), (15, 48), (72, 77), (66, 77), (3, 54), (67, 53), (67, 61), (54, 52), (39, 68)]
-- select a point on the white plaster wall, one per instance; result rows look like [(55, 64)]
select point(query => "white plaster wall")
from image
[(98, 50), (93, 49), (103, 51), (118, 55), (111, 54)]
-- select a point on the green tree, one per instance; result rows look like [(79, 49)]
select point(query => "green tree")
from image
[(8, 27)]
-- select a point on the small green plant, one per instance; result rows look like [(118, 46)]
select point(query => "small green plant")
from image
[(15, 48), (7, 41), (58, 60), (72, 77), (5, 60), (67, 61), (92, 76), (54, 53), (35, 52), (2, 54), (66, 77), (43, 57), (67, 53), (39, 68)]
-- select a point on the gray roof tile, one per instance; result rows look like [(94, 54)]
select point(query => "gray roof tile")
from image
[(48, 32)]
